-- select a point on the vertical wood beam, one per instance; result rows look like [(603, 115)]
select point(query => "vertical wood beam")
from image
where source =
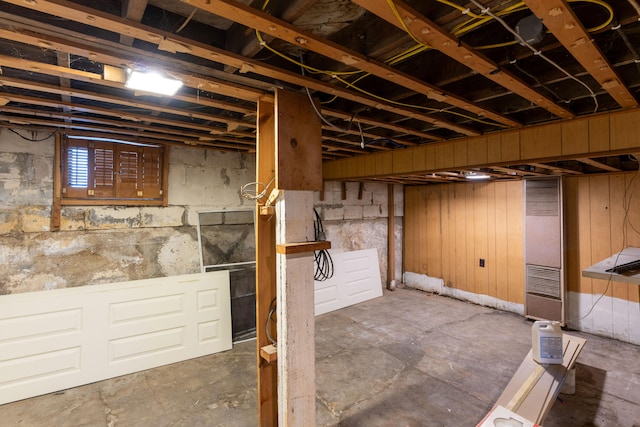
[(296, 318), (298, 174), (57, 184), (265, 266), (391, 240)]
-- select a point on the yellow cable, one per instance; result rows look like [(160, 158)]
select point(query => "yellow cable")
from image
[(420, 107)]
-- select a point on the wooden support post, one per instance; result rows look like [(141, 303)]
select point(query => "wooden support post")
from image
[(265, 267), (289, 155), (57, 185), (391, 241), (296, 318)]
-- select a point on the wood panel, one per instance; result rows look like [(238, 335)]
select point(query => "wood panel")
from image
[(460, 154), (502, 241), (624, 130), (480, 237), (510, 146), (575, 137), (449, 227), (572, 232), (600, 234), (494, 148), (540, 142), (477, 151), (433, 232), (599, 139), (492, 271), (515, 231), (403, 161), (460, 227)]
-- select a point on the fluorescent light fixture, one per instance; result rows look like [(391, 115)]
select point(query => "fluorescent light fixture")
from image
[(476, 176), (152, 82)]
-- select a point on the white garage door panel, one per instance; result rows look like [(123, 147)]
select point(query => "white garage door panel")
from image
[(356, 279), (63, 338)]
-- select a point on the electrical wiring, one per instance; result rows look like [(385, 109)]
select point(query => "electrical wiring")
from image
[(626, 200), (255, 195), (419, 107), (536, 51), (323, 264), (270, 319), (30, 139)]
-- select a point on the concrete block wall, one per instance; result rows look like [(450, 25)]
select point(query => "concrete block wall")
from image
[(356, 223), (104, 244)]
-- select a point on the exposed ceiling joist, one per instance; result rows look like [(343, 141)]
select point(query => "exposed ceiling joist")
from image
[(560, 19), (172, 43), (430, 34), (264, 23)]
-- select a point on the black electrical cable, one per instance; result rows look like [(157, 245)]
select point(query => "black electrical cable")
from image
[(322, 259), (272, 311), (30, 139)]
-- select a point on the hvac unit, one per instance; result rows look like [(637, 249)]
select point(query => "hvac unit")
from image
[(544, 251)]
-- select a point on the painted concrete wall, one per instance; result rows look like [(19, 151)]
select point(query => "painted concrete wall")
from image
[(353, 224), (105, 244)]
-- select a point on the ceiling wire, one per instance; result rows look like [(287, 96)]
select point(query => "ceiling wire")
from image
[(535, 51)]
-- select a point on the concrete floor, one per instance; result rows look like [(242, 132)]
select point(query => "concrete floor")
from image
[(406, 359)]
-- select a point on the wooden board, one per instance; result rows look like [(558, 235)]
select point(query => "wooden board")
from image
[(265, 267), (534, 387), (299, 143)]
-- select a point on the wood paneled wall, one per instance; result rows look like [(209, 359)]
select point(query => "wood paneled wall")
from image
[(450, 227), (592, 136), (602, 217)]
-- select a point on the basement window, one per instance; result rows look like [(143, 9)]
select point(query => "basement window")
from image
[(99, 171)]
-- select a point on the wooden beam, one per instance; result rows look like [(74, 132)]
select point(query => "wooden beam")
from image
[(563, 23), (296, 317), (391, 239), (134, 11), (436, 37), (57, 185), (597, 164), (265, 266), (172, 43), (261, 21)]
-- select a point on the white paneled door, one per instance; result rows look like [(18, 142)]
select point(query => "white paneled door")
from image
[(57, 339), (356, 278)]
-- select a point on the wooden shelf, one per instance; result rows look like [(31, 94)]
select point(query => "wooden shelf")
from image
[(298, 248)]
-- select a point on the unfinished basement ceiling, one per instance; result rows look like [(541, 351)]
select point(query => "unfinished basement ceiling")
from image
[(388, 74)]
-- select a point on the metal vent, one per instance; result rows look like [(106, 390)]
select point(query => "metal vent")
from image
[(543, 280), (542, 197)]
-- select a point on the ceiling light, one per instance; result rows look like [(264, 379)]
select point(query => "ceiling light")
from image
[(476, 176), (152, 82)]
